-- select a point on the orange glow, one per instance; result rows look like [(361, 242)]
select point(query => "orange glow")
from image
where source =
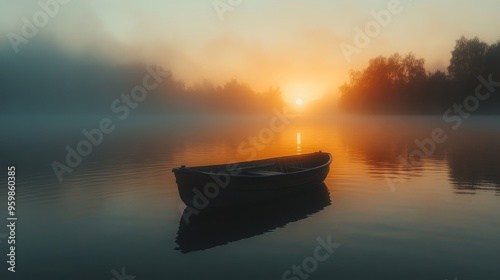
[(300, 93)]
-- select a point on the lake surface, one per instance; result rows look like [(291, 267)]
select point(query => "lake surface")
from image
[(391, 214)]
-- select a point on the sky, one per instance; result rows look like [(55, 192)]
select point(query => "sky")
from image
[(291, 44)]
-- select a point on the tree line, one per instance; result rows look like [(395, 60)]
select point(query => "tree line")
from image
[(401, 85), (58, 83)]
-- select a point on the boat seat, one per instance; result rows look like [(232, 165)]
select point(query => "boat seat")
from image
[(255, 166), (264, 172), (297, 168)]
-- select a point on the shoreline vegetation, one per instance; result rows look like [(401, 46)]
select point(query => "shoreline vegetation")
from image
[(401, 85), (394, 85)]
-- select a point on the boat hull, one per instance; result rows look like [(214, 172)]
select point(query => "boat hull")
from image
[(237, 185)]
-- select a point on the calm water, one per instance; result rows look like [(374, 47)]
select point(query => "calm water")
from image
[(437, 218)]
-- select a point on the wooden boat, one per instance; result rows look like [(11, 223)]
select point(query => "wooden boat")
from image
[(251, 182)]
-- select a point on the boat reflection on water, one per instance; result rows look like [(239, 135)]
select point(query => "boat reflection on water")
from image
[(215, 227)]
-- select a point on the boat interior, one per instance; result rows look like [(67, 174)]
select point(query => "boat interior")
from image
[(268, 167)]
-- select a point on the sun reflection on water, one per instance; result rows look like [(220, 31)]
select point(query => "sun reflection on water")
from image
[(299, 149)]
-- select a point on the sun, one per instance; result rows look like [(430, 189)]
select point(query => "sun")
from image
[(298, 101)]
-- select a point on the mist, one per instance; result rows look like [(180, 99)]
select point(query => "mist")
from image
[(90, 53)]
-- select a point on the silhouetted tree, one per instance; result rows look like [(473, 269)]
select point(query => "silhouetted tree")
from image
[(468, 59), (387, 85), (436, 94), (493, 60), (397, 84)]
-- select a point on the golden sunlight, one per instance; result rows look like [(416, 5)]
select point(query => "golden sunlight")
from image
[(300, 94)]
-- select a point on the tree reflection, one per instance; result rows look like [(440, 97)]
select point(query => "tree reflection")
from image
[(471, 154)]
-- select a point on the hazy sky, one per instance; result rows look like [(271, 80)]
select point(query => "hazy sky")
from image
[(294, 44)]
